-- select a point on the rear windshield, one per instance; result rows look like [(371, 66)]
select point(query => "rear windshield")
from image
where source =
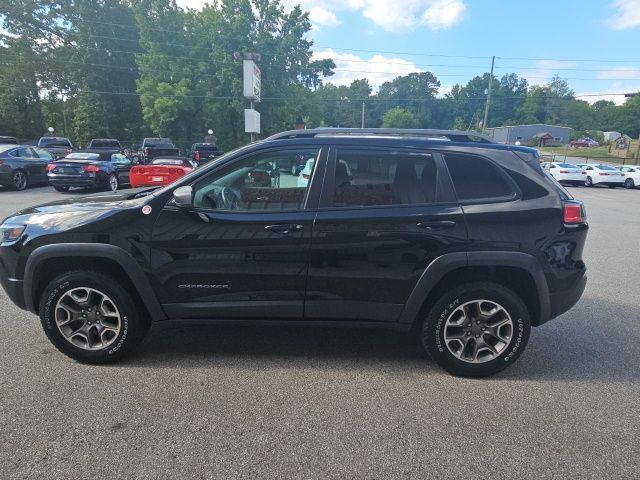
[(159, 145), (206, 148), (54, 142), (605, 167), (83, 156), (567, 165), (167, 161), (105, 143)]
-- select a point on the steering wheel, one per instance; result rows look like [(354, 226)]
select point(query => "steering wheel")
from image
[(229, 198)]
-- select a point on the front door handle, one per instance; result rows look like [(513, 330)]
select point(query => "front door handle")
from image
[(437, 225), (284, 228)]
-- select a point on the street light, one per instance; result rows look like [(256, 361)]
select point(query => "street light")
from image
[(50, 129), (210, 132)]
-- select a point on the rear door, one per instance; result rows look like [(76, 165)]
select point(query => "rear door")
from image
[(385, 214), (33, 164)]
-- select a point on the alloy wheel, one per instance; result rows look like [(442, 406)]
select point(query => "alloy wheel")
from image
[(20, 180), (88, 318), (478, 331), (113, 183)]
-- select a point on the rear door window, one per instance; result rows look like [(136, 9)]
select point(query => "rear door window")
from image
[(476, 178), (364, 178)]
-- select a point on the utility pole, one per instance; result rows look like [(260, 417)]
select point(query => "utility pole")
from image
[(362, 121), (637, 150), (486, 107)]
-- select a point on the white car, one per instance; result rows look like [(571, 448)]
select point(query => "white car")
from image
[(565, 172), (631, 174), (600, 174)]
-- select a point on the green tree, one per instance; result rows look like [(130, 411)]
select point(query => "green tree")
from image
[(399, 118)]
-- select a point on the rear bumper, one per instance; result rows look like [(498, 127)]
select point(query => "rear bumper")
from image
[(562, 301), (68, 181)]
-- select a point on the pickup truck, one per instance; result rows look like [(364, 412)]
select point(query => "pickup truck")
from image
[(104, 144), (56, 146), (155, 147)]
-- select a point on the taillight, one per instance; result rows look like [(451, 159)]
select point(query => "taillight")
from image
[(90, 168), (140, 170), (573, 213), (565, 171), (50, 167)]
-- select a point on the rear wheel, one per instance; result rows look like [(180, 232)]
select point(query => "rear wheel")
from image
[(19, 180), (588, 182), (629, 183), (114, 184), (477, 329), (61, 189), (90, 317)]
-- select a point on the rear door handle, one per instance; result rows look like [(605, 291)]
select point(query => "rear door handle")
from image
[(284, 228), (437, 225)]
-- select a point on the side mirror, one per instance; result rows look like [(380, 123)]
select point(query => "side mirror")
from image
[(183, 197)]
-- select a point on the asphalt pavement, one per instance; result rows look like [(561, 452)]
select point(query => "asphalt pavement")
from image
[(256, 402)]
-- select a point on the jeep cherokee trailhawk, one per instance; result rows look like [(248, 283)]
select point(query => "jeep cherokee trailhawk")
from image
[(461, 241)]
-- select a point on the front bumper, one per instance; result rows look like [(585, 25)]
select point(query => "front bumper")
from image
[(14, 287)]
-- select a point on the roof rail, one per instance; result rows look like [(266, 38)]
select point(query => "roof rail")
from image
[(452, 135)]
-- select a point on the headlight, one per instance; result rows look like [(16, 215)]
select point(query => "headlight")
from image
[(11, 233)]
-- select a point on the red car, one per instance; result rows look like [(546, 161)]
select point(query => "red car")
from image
[(161, 171)]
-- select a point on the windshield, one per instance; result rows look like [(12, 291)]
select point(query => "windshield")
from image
[(54, 142), (83, 156), (105, 143), (168, 161)]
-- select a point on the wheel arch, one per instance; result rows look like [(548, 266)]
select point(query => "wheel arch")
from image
[(515, 270), (48, 261)]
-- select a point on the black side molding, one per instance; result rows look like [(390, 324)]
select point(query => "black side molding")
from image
[(101, 250), (444, 264)]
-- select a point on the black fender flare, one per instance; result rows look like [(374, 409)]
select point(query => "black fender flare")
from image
[(446, 263), (111, 252)]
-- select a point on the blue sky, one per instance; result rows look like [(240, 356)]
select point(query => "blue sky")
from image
[(591, 43)]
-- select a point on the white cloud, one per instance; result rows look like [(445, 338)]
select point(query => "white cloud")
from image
[(544, 70), (620, 72), (611, 94), (444, 14), (627, 14), (377, 69), (323, 17)]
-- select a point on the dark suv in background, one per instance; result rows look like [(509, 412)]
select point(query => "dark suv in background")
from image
[(463, 242)]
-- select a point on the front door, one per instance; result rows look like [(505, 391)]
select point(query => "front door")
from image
[(383, 217), (243, 251)]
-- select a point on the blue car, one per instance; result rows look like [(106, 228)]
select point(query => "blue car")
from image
[(99, 169)]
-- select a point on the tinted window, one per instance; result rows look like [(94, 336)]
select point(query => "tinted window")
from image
[(605, 167), (255, 183), (371, 178), (105, 143), (567, 165), (43, 154), (476, 178), (170, 161), (54, 142)]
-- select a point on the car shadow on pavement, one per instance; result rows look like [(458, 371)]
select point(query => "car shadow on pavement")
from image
[(576, 346)]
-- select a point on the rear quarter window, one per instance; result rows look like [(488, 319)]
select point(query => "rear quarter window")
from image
[(476, 178)]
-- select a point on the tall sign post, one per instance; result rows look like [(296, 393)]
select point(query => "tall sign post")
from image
[(251, 90)]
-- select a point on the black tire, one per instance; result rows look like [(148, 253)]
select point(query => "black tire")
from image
[(113, 182), (612, 186), (61, 189), (134, 322), (588, 182), (433, 329), (629, 183), (19, 180)]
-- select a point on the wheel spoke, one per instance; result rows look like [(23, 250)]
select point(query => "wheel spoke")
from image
[(88, 318)]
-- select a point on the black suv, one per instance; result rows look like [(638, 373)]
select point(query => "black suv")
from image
[(461, 241)]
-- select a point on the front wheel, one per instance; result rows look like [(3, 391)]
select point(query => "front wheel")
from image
[(114, 184), (477, 329), (588, 182), (90, 317), (629, 183)]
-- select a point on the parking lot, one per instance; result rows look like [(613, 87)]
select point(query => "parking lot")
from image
[(257, 402)]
